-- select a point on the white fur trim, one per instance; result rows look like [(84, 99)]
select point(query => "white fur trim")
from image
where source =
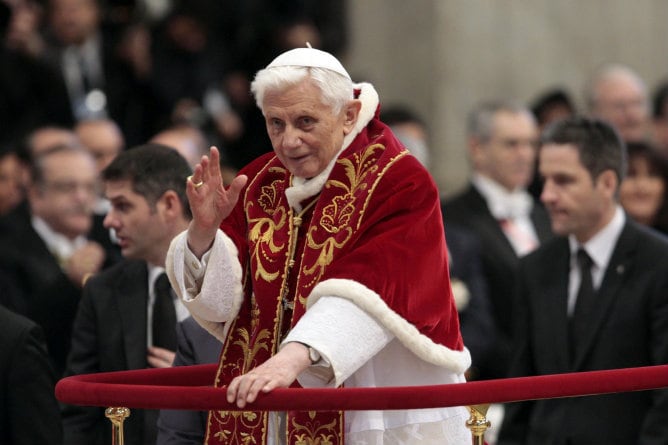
[(370, 100), (369, 301), (301, 188)]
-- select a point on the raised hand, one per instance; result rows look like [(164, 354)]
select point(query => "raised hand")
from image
[(209, 201)]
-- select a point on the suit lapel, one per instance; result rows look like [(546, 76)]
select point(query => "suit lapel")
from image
[(489, 226), (40, 259), (132, 295), (541, 222), (614, 277), (555, 302)]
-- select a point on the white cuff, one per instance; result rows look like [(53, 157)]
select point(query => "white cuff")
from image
[(211, 289), (343, 334)]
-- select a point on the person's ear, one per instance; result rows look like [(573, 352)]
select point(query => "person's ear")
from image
[(351, 113), (608, 182), (170, 204), (475, 149)]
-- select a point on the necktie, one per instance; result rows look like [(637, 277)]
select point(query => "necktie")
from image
[(522, 241), (85, 74), (584, 304), (164, 314)]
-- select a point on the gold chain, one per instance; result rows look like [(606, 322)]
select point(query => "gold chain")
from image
[(286, 302)]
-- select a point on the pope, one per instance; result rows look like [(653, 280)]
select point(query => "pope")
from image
[(322, 264)]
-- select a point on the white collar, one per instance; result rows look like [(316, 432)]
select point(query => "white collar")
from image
[(302, 188), (600, 246), (153, 273), (58, 244), (502, 203)]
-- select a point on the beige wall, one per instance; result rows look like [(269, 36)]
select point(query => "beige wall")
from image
[(442, 57)]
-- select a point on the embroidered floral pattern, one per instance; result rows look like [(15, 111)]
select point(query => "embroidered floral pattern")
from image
[(313, 432), (338, 216), (263, 246), (241, 422)]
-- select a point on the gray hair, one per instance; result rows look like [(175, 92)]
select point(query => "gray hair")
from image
[(604, 73), (336, 89), (481, 119)]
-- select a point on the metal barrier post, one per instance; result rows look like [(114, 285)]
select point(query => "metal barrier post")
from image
[(117, 415), (478, 423)]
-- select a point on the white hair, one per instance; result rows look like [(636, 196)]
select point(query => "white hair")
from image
[(336, 90)]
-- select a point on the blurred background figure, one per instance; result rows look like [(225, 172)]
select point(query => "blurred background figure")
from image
[(660, 118), (103, 138), (99, 81), (12, 190), (192, 144), (409, 129), (644, 190), (496, 206), (618, 95), (50, 254), (31, 91), (187, 139), (552, 105), (44, 138), (28, 407)]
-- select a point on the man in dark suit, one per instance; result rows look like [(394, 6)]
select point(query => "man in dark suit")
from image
[(116, 326), (195, 346), (498, 209), (46, 246), (95, 70), (594, 298), (469, 287), (28, 407)]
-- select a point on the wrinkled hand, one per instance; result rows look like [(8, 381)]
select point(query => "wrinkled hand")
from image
[(160, 357), (277, 372), (209, 201), (85, 261)]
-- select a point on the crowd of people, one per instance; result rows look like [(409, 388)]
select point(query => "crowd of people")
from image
[(311, 246)]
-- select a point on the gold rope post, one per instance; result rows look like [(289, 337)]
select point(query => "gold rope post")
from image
[(117, 415), (478, 423)]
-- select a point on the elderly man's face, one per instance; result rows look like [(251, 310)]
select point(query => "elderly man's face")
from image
[(622, 101), (67, 193), (304, 132)]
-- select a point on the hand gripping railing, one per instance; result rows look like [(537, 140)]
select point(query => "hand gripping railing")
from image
[(189, 388)]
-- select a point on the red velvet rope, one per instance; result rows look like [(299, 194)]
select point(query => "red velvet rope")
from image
[(188, 387)]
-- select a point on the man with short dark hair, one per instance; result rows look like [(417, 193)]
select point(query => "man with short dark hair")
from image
[(120, 320), (594, 298)]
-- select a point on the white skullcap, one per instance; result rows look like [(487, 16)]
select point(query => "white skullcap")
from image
[(310, 57)]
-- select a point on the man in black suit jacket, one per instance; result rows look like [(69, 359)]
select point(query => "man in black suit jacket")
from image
[(46, 245), (100, 69), (498, 209), (113, 329), (28, 407), (195, 346), (613, 314)]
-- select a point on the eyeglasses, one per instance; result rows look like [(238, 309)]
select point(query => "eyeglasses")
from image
[(69, 187)]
